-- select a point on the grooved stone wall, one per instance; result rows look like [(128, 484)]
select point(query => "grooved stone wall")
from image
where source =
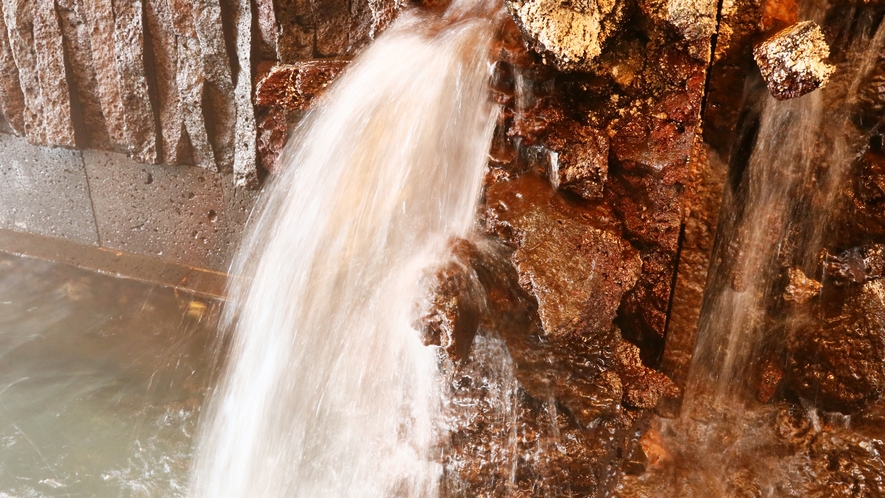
[(162, 81)]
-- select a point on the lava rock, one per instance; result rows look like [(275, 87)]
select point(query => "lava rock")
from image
[(694, 19), (273, 130), (295, 86), (569, 35), (581, 161), (800, 288), (839, 363), (643, 387), (450, 315), (578, 272), (792, 61)]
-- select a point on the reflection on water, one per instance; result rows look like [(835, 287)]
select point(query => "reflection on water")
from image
[(101, 382)]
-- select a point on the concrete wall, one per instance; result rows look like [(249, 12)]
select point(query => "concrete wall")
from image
[(177, 214)]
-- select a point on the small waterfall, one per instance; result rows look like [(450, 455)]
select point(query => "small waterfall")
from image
[(778, 214), (328, 390), (779, 217)]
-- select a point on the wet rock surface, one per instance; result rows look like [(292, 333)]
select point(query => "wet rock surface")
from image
[(578, 272), (293, 87), (793, 61), (838, 362)]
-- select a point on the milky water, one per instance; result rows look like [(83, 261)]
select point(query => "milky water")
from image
[(328, 390), (101, 382)]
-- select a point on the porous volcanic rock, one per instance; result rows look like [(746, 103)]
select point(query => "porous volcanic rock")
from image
[(450, 316), (578, 272), (516, 391), (694, 19), (581, 160), (569, 35), (839, 362), (792, 61), (294, 86)]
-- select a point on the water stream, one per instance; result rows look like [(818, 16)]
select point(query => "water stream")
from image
[(328, 389), (778, 213)]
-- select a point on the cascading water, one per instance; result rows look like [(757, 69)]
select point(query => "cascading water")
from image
[(781, 216), (328, 390), (778, 219)]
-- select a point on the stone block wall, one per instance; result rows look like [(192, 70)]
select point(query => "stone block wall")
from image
[(162, 81)]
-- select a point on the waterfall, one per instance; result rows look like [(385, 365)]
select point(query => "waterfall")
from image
[(328, 390), (778, 218)]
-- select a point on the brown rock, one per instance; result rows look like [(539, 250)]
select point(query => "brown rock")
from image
[(295, 86), (778, 14), (450, 315), (272, 134), (643, 386), (12, 101), (703, 199), (52, 73), (792, 61), (296, 30), (839, 363), (694, 19), (99, 17), (20, 27), (332, 19), (577, 271), (87, 115), (581, 163), (800, 289)]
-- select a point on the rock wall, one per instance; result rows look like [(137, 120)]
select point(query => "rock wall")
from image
[(164, 81)]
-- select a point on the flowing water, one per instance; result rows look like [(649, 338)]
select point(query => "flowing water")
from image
[(328, 390), (778, 214), (101, 382), (778, 217)]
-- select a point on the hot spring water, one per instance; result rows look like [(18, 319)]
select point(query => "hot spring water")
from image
[(329, 391)]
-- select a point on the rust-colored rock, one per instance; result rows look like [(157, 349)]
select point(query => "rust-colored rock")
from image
[(295, 86), (694, 19), (793, 60), (450, 316), (800, 289), (273, 131), (581, 162), (643, 386), (838, 363), (578, 272)]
